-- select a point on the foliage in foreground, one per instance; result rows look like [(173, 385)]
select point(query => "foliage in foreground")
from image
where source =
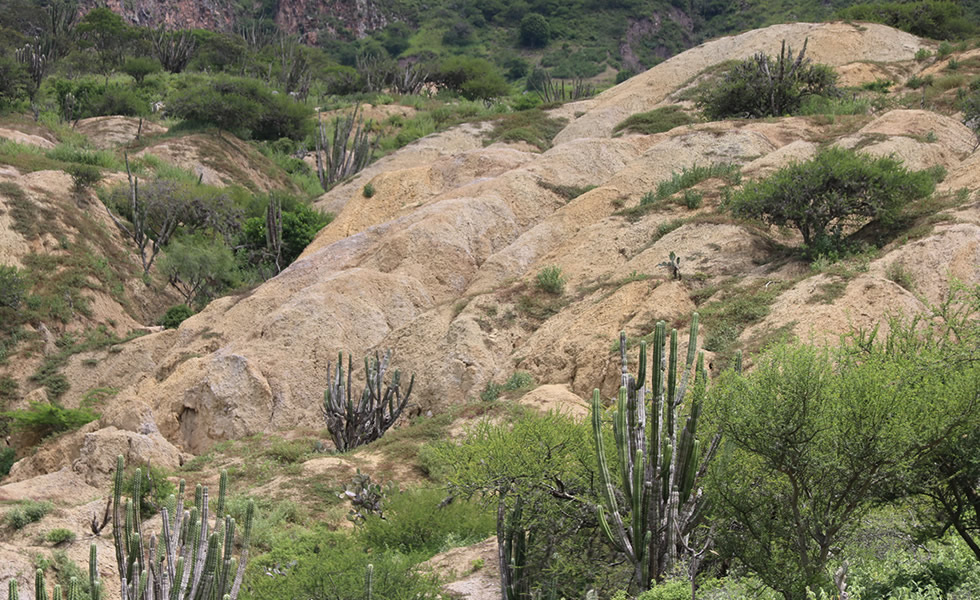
[(818, 437)]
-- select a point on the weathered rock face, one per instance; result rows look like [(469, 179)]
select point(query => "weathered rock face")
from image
[(439, 264)]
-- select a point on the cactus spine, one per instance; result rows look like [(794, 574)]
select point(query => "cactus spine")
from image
[(351, 423), (659, 464), (191, 560)]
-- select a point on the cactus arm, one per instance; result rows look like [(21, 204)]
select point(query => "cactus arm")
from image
[(246, 540), (40, 591)]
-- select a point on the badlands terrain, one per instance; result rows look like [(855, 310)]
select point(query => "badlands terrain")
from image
[(439, 264)]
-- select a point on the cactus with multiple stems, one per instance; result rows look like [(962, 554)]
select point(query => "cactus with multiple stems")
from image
[(74, 588), (192, 561), (650, 499), (349, 153), (353, 423)]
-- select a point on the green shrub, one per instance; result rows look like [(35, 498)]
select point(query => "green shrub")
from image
[(71, 153), (44, 419), (692, 199), (944, 50), (748, 90), (60, 536), (199, 267), (83, 177), (368, 190), (915, 82), (243, 106), (114, 100), (668, 590), (657, 120), (8, 456), (491, 392), (176, 315), (922, 54), (936, 19), (550, 280), (535, 32), (830, 193), (13, 288), (415, 522), (317, 564), (519, 380), (27, 512)]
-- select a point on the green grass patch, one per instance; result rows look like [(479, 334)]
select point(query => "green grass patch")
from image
[(568, 192), (27, 512), (657, 120), (533, 126)]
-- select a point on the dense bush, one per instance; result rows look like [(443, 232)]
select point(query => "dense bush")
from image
[(138, 67), (550, 280), (43, 419), (243, 106), (763, 86), (415, 521), (535, 32), (936, 19), (14, 82), (155, 488), (317, 564), (199, 267), (300, 224), (176, 315), (7, 458), (472, 78), (836, 189)]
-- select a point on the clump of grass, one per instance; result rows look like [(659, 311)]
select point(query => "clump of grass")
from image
[(727, 317), (568, 192), (915, 82), (828, 292), (657, 120), (368, 190), (551, 280), (684, 180), (666, 227), (72, 153), (898, 273), (532, 126)]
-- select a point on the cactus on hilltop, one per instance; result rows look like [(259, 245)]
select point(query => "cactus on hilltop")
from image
[(660, 459)]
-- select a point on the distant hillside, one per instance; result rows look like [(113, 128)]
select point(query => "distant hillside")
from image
[(582, 38)]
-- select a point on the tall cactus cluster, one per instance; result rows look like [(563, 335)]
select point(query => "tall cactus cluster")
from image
[(192, 561), (651, 502), (75, 591), (353, 422), (349, 153)]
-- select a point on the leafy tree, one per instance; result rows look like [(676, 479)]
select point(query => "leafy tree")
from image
[(138, 67), (762, 86), (300, 224), (815, 435), (108, 35), (198, 267), (473, 78), (948, 475), (176, 315), (535, 32), (835, 189), (545, 464)]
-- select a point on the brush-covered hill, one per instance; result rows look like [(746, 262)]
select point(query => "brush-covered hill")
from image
[(442, 251)]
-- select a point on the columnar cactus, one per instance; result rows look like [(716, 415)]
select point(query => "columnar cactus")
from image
[(193, 560), (658, 464), (349, 153), (352, 423)]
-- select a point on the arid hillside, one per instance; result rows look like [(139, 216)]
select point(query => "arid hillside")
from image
[(440, 263)]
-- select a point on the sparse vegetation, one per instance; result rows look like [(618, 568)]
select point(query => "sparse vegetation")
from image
[(657, 120), (551, 280), (27, 512)]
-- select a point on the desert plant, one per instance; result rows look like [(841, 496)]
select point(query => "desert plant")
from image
[(673, 266), (60, 535), (27, 512), (836, 189), (353, 423), (366, 498), (173, 49), (550, 91), (660, 463), (550, 280), (176, 315), (349, 151), (191, 561), (368, 190), (768, 87)]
